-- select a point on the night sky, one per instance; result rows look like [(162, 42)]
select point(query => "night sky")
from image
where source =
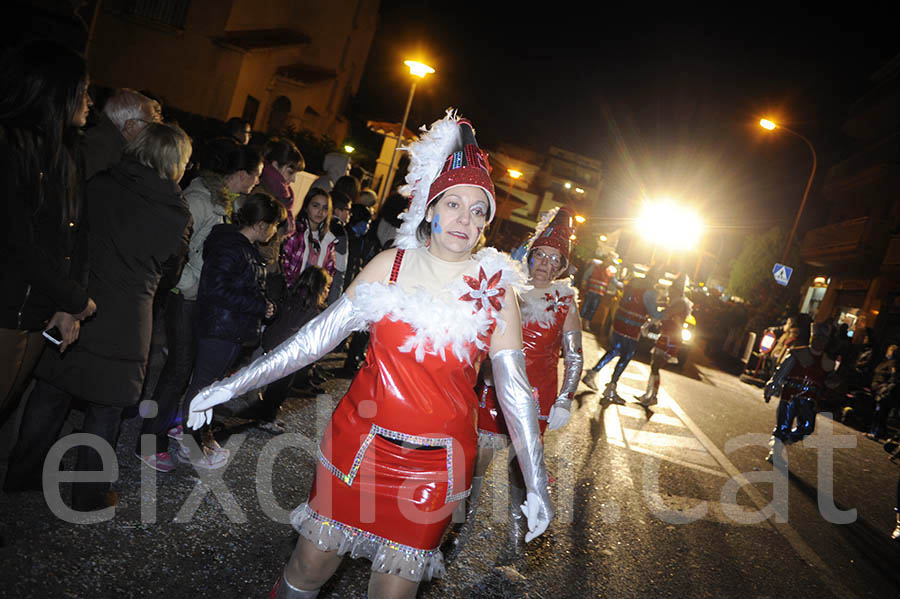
[(669, 102)]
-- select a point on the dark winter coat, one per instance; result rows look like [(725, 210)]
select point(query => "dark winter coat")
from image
[(103, 146), (139, 230), (43, 258), (231, 301)]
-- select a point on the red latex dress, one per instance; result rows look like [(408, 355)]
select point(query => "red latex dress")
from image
[(398, 453), (543, 316)]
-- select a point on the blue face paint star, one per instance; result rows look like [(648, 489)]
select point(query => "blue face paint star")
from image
[(436, 223)]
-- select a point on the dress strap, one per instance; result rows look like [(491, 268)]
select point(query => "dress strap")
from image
[(395, 269)]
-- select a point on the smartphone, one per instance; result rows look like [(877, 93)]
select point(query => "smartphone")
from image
[(54, 336)]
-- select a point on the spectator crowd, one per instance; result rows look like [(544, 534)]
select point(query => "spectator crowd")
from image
[(116, 218)]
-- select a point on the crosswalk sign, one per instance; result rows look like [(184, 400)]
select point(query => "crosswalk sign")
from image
[(782, 274)]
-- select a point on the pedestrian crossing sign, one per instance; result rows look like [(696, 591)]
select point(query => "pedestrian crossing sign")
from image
[(782, 274)]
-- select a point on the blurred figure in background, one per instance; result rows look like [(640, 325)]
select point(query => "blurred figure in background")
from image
[(799, 382), (139, 227), (282, 163), (238, 129), (124, 115), (231, 169), (231, 305), (305, 300), (884, 392)]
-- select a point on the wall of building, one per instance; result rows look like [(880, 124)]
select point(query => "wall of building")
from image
[(181, 65), (192, 71)]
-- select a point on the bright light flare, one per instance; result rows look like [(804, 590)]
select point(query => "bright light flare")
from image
[(670, 225), (579, 219), (418, 69), (767, 124), (349, 149), (567, 185), (514, 173), (603, 238)]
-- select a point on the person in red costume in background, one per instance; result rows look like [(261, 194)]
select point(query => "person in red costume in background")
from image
[(669, 341), (638, 304), (397, 455), (799, 382), (550, 324)]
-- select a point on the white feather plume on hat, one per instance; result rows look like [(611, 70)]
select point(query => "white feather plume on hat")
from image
[(426, 159)]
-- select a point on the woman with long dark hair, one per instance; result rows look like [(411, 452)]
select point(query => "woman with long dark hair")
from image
[(44, 102), (138, 233), (229, 169), (313, 243)]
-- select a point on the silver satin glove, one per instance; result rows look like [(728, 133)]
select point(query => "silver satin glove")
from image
[(517, 403), (318, 337), (776, 384), (573, 361)]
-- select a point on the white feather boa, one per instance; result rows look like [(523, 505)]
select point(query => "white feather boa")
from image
[(441, 321), (426, 158), (534, 304)]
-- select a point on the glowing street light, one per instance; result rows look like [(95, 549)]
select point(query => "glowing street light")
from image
[(603, 238), (513, 173), (770, 125), (579, 219), (568, 185), (418, 70), (349, 149), (579, 190), (670, 225)]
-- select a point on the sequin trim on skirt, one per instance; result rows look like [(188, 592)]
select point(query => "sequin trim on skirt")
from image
[(388, 557)]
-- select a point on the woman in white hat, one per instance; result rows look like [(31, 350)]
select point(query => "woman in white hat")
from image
[(397, 455)]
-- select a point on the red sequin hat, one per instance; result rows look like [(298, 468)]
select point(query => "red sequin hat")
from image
[(445, 156), (557, 234), (466, 166)]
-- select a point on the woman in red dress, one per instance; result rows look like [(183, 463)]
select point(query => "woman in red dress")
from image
[(397, 455), (550, 324)]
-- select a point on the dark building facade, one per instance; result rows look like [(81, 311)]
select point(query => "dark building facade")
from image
[(855, 257)]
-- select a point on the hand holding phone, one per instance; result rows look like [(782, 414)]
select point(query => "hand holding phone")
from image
[(54, 336), (62, 330)]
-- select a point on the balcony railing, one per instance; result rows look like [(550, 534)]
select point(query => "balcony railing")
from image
[(840, 242)]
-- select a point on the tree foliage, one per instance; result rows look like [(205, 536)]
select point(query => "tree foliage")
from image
[(752, 269)]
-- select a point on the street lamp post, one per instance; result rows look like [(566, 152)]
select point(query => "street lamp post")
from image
[(770, 125), (419, 70)]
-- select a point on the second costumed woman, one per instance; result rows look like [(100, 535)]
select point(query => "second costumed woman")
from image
[(397, 455), (550, 324)]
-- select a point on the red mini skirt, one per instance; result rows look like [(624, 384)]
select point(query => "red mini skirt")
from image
[(399, 496)]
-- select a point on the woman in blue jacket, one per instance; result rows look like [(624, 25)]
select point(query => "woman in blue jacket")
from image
[(231, 305)]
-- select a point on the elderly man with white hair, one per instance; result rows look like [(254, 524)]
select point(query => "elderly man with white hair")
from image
[(124, 115)]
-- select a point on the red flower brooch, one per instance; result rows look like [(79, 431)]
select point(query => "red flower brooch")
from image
[(484, 291), (556, 303)]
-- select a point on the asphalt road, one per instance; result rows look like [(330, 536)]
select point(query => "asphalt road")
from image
[(649, 505)]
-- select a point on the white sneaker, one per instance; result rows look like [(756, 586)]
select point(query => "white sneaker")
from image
[(177, 433), (213, 457)]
